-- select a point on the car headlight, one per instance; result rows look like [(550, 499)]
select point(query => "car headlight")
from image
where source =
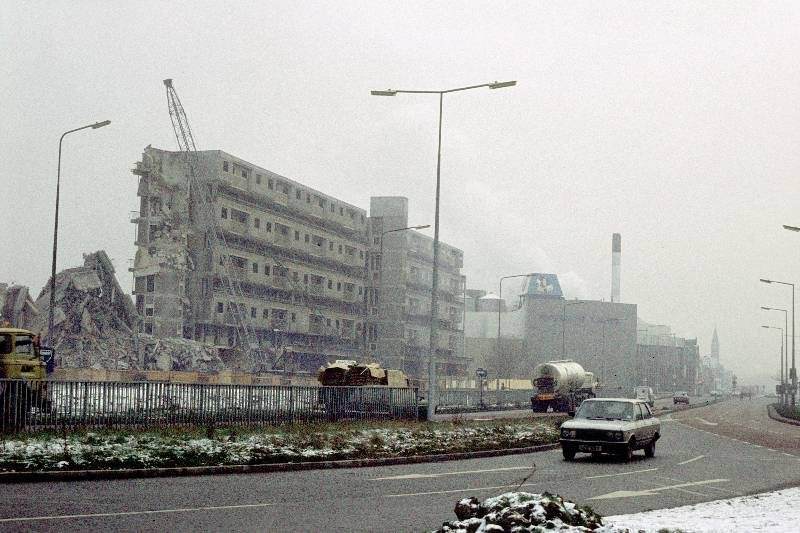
[(568, 433), (618, 435)]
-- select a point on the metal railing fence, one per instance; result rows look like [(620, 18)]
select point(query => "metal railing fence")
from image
[(455, 399), (33, 405)]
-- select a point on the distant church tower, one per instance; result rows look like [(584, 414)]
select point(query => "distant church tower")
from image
[(715, 347)]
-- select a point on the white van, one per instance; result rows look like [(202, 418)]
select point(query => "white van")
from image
[(646, 394)]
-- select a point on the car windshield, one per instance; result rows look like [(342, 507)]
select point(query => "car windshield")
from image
[(605, 410)]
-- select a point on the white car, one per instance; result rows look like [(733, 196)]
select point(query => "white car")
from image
[(611, 425)]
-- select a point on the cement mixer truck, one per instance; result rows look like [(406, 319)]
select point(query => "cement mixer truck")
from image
[(562, 386)]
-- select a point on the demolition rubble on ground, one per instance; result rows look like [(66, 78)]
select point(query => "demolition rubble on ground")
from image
[(95, 324)]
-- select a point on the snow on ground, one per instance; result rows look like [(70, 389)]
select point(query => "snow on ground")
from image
[(774, 512)]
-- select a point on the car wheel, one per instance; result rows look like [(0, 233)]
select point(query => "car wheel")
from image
[(650, 449), (627, 452), (569, 453)]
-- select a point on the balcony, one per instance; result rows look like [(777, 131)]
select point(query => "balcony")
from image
[(237, 273), (279, 323)]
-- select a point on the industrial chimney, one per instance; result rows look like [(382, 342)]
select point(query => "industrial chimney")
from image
[(616, 253)]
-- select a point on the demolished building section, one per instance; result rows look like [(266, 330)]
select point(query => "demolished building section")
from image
[(17, 308), (95, 325)]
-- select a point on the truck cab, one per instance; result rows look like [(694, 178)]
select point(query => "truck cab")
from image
[(24, 365), (21, 356)]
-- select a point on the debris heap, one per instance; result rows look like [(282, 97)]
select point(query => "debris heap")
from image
[(95, 325), (16, 305)]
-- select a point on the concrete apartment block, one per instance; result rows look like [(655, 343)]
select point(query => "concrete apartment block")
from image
[(299, 254), (309, 266), (400, 294)]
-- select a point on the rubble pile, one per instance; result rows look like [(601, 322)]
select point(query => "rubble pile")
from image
[(178, 354), (524, 512), (16, 305), (95, 325)]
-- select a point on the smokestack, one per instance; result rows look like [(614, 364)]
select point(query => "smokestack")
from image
[(616, 256)]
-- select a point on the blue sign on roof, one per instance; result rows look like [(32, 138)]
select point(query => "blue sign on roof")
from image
[(544, 286)]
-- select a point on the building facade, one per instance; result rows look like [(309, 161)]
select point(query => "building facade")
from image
[(298, 254), (307, 264), (541, 325), (399, 300)]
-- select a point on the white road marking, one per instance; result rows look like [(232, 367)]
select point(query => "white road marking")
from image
[(425, 476), (133, 513), (622, 473), (654, 491), (706, 422), (457, 490), (691, 460)]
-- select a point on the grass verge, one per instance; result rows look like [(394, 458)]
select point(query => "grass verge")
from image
[(115, 449)]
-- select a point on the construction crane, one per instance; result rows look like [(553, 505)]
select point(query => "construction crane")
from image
[(203, 216), (202, 213)]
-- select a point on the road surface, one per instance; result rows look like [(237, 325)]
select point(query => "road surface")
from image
[(693, 463)]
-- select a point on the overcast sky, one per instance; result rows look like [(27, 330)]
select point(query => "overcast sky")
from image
[(675, 124)]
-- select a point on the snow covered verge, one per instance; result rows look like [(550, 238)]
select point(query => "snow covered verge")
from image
[(116, 450), (775, 512), (522, 512)]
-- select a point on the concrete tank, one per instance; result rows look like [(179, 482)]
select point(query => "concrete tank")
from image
[(567, 375)]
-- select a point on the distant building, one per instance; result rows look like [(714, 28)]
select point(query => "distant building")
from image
[(666, 362), (542, 326)]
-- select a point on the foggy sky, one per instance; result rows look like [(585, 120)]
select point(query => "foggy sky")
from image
[(674, 124)]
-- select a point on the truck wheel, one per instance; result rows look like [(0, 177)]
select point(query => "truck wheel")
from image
[(650, 449), (568, 451)]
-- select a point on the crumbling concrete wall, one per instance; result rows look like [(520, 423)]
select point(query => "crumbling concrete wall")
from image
[(17, 308)]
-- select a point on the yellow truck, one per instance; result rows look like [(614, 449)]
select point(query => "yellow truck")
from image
[(24, 365)]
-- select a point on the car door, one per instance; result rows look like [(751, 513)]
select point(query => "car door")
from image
[(641, 424), (649, 423)]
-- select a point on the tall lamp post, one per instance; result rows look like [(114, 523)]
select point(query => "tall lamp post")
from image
[(783, 353), (381, 258), (55, 228), (435, 275), (499, 303), (793, 370), (564, 326)]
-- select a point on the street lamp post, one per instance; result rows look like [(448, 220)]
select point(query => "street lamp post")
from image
[(793, 370), (380, 257), (50, 312), (782, 352), (783, 356), (564, 327), (435, 274), (499, 303)]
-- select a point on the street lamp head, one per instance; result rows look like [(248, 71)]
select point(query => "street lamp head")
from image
[(387, 92), (791, 228), (762, 280), (100, 124), (766, 308), (421, 227), (501, 84)]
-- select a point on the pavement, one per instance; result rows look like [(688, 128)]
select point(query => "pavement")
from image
[(705, 454)]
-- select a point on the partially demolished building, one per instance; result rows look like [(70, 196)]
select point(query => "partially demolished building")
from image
[(298, 255), (305, 262)]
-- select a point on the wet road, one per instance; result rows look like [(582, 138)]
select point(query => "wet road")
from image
[(696, 460), (744, 420)]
